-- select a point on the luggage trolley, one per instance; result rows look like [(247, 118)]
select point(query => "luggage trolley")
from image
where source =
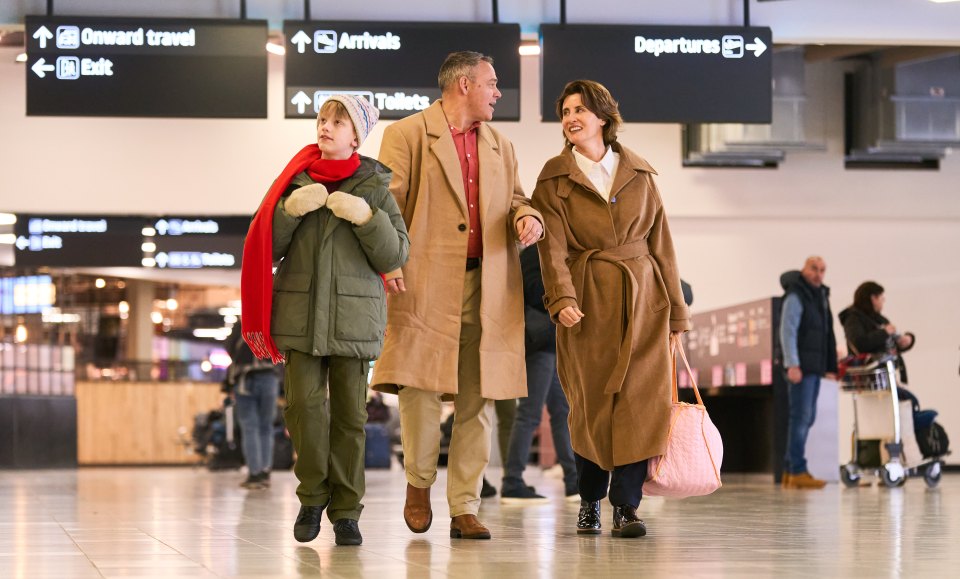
[(879, 378)]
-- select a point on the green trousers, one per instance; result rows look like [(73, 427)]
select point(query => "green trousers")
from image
[(329, 439)]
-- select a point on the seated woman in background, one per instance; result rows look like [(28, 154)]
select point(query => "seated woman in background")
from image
[(868, 331)]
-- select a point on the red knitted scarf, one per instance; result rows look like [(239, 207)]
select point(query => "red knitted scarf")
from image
[(256, 270)]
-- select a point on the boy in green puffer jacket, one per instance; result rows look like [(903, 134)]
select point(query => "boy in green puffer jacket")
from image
[(336, 229)]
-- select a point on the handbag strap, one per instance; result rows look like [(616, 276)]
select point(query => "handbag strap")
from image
[(676, 347)]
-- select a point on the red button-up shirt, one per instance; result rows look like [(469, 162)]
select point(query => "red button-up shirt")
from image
[(466, 143)]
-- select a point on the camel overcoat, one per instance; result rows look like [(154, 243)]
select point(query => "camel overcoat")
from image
[(423, 324), (615, 261)]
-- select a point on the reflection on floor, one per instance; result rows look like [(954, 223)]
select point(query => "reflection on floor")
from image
[(172, 522)]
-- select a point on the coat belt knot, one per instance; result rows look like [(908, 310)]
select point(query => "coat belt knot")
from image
[(582, 267)]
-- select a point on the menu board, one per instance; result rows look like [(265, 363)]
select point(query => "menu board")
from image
[(731, 346)]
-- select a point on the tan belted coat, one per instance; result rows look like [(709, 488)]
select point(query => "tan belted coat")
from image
[(423, 324), (615, 261)]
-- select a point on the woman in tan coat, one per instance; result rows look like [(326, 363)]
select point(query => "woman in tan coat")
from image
[(612, 284)]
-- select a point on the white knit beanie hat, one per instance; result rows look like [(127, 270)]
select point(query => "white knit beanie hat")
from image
[(363, 114)]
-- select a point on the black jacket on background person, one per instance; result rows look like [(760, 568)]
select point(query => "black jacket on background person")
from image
[(243, 362), (865, 335), (816, 343), (540, 332)]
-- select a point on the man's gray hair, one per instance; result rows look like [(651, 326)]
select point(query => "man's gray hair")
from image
[(459, 64)]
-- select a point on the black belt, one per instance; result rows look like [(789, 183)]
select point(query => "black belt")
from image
[(473, 263)]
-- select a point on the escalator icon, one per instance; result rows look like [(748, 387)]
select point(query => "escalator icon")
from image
[(325, 41)]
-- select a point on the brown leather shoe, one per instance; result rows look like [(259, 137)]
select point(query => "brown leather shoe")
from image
[(467, 527), (417, 513)]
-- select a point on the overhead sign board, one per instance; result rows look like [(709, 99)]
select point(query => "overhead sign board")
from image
[(195, 242), (168, 242), (664, 74), (74, 240), (139, 67), (394, 65)]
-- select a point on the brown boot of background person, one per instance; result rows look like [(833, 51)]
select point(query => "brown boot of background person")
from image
[(802, 480)]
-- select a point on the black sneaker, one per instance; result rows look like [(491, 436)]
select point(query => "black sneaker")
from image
[(307, 526), (487, 490), (525, 495), (626, 523), (253, 482), (347, 532), (588, 521), (265, 478)]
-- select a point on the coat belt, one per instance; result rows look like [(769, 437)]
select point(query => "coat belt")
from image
[(582, 267)]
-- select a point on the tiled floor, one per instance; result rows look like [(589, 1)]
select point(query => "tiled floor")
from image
[(172, 522)]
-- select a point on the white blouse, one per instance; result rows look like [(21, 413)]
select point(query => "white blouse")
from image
[(600, 174)]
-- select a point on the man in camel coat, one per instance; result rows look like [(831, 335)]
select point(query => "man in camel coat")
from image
[(455, 180)]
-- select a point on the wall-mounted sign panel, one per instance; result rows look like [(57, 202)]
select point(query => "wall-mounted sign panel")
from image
[(137, 67), (77, 241), (168, 242), (664, 74), (195, 242), (392, 64)]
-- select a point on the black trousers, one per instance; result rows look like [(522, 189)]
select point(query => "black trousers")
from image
[(626, 486)]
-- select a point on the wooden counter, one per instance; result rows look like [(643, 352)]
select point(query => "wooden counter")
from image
[(139, 422)]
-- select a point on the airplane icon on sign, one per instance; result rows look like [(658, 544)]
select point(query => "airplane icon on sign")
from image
[(325, 41)]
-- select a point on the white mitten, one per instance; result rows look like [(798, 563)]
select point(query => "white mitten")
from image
[(305, 199), (349, 207)]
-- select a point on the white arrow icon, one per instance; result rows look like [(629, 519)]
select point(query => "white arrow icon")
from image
[(301, 39), (301, 100), (41, 68), (758, 47), (22, 243), (43, 35)]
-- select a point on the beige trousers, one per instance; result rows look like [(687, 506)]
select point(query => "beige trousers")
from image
[(420, 412)]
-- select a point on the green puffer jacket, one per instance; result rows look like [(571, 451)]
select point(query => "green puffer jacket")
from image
[(328, 297)]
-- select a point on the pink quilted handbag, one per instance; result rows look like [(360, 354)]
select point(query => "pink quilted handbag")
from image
[(691, 465)]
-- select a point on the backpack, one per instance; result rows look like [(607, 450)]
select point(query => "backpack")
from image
[(932, 440)]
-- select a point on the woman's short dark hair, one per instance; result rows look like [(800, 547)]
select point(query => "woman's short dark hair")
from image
[(598, 101), (459, 64), (861, 297)]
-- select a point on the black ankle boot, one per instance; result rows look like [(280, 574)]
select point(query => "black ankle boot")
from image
[(588, 521), (626, 523)]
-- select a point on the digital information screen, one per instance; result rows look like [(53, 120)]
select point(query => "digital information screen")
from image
[(392, 64), (195, 242), (664, 74), (136, 67), (168, 242), (72, 241)]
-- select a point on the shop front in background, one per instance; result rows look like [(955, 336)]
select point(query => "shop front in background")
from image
[(734, 353), (72, 394)]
